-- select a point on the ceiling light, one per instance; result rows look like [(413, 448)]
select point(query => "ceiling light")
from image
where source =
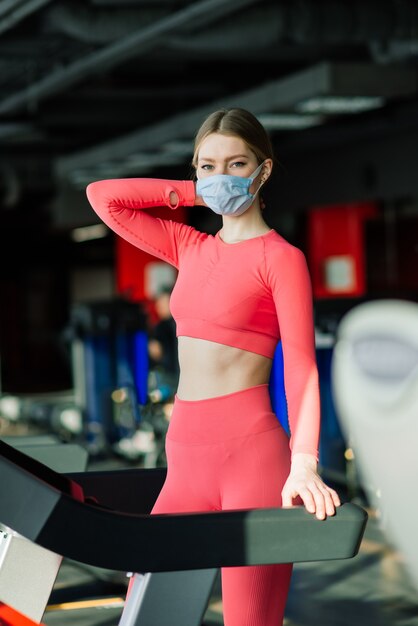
[(87, 233), (290, 121), (179, 147), (335, 105), (146, 161)]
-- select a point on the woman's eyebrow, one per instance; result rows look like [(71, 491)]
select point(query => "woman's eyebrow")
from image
[(229, 158)]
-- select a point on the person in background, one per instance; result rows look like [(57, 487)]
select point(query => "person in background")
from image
[(162, 348), (237, 294)]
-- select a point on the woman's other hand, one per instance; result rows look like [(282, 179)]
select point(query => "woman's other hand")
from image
[(305, 482)]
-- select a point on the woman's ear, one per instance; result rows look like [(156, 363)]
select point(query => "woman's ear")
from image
[(266, 171)]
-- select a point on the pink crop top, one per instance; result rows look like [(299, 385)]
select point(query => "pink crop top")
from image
[(248, 294)]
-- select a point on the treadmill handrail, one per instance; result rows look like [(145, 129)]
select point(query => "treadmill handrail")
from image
[(129, 542)]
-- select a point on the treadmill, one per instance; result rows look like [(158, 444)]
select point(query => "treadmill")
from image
[(103, 519)]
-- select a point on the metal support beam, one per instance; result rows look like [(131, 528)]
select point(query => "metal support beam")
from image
[(193, 16), (12, 12)]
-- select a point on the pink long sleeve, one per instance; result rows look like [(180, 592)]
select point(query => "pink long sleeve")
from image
[(118, 202), (247, 295), (291, 286)]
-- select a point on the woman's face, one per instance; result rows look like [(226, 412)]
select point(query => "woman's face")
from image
[(225, 154)]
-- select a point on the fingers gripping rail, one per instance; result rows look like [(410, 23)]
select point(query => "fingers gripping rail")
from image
[(48, 509)]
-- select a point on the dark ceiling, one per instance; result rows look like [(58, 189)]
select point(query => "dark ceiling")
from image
[(106, 88)]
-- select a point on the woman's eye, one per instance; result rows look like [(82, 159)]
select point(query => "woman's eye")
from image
[(239, 164), (206, 166)]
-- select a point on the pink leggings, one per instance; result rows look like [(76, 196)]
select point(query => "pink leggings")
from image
[(230, 452)]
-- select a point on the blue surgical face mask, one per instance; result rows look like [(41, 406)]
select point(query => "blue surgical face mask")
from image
[(228, 195)]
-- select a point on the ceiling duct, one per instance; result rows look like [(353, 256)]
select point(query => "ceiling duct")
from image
[(194, 15), (262, 25), (11, 130), (139, 151), (10, 186), (336, 22), (211, 28), (302, 22), (99, 26)]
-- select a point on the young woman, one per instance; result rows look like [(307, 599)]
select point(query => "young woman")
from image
[(237, 294)]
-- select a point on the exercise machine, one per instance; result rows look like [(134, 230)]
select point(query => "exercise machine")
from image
[(102, 519), (109, 346), (375, 384)]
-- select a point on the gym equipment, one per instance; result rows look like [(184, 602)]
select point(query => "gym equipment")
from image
[(54, 412), (331, 445), (375, 383), (109, 353), (18, 556), (277, 389), (10, 617), (119, 533), (63, 458), (47, 449)]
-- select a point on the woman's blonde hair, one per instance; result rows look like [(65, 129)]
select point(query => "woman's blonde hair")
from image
[(240, 123)]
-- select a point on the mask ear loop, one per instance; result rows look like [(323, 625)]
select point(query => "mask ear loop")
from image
[(262, 203), (260, 167)]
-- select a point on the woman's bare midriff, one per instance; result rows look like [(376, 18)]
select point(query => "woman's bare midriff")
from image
[(209, 369)]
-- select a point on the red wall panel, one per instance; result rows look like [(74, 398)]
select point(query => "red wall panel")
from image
[(135, 268), (336, 249)]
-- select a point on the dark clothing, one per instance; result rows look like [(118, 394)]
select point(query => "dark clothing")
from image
[(165, 333)]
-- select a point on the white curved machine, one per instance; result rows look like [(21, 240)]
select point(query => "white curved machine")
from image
[(375, 387)]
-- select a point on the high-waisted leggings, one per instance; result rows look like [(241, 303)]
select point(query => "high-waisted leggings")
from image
[(223, 453)]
